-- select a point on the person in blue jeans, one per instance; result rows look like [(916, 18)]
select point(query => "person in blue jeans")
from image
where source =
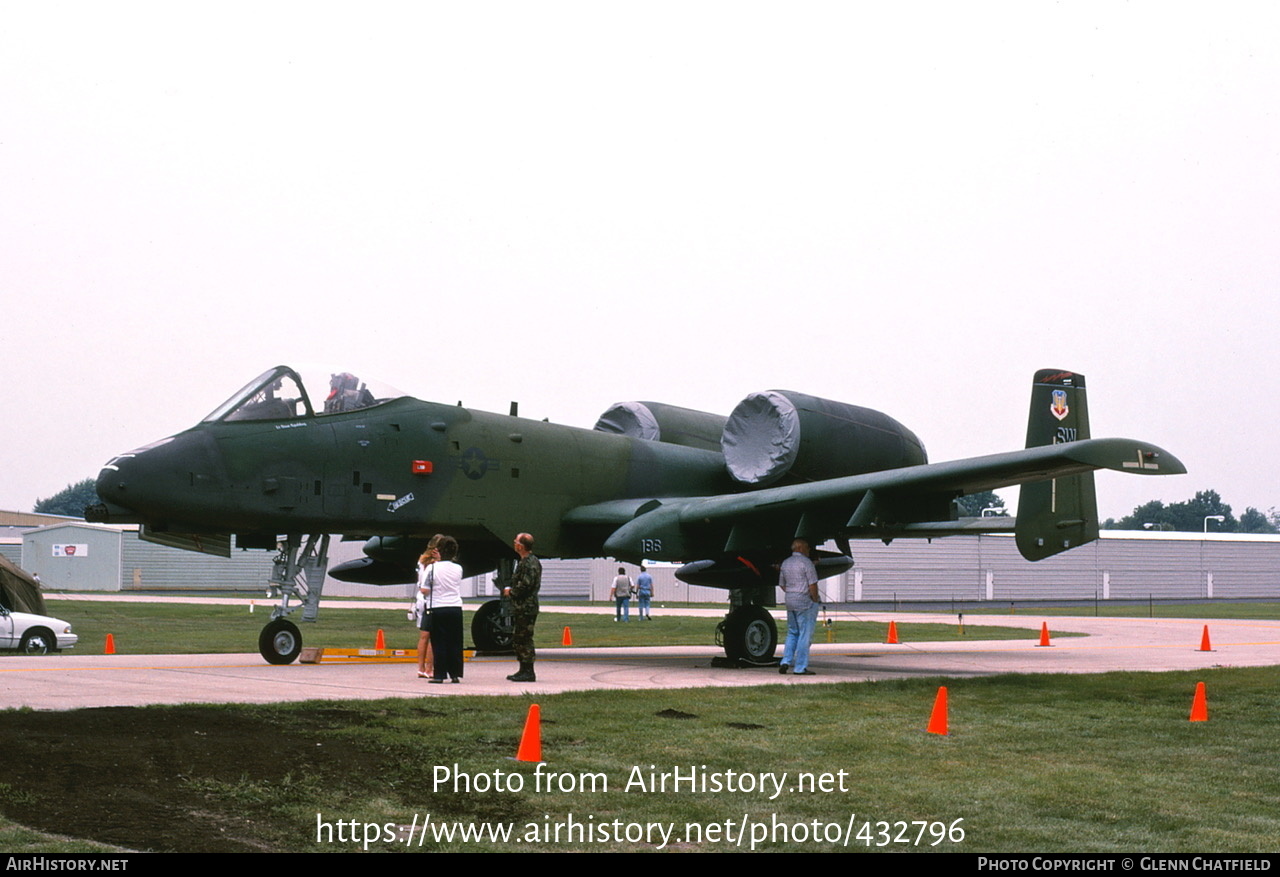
[(621, 594), (798, 579), (644, 593)]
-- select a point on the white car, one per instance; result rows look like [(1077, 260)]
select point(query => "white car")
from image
[(34, 634)]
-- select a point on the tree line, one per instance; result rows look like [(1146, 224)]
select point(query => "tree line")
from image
[(1197, 515), (70, 501), (1188, 516)]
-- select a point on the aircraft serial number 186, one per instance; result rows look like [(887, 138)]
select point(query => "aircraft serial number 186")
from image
[(650, 546)]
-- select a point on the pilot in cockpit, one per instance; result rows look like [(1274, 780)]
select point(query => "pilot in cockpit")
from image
[(346, 393)]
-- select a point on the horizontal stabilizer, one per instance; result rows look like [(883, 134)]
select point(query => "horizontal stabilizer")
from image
[(939, 529)]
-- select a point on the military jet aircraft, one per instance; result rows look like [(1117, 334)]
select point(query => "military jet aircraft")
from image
[(279, 468)]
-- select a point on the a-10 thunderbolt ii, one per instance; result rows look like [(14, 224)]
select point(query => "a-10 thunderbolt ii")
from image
[(281, 469)]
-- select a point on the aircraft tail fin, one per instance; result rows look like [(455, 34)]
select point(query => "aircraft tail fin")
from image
[(1060, 513)]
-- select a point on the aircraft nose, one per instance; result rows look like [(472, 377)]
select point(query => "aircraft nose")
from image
[(118, 474), (146, 484), (109, 509), (112, 482)]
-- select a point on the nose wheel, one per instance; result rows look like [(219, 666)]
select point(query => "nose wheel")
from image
[(280, 642)]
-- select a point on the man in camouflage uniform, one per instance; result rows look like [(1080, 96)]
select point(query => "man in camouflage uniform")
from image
[(525, 583)]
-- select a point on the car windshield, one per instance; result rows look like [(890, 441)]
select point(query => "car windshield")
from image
[(280, 394)]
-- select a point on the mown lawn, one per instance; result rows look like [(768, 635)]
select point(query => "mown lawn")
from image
[(1045, 763)]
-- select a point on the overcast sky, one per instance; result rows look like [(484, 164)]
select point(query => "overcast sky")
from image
[(908, 206)]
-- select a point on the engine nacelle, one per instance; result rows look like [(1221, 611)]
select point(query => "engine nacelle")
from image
[(659, 422), (779, 433)]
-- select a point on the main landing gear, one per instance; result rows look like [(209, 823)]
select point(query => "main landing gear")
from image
[(492, 626), (298, 574), (749, 635)]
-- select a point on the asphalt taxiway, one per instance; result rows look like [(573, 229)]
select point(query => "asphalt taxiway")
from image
[(71, 681)]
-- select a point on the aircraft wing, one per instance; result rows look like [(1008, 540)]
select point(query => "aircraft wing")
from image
[(915, 500), (957, 476)]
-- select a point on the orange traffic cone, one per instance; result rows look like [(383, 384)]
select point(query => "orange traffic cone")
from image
[(531, 740), (938, 720), (1204, 640), (381, 641), (110, 648), (893, 634), (1199, 707), (1044, 634), (567, 639)]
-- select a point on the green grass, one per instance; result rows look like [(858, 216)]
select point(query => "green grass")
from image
[(173, 628), (19, 839), (1045, 763)]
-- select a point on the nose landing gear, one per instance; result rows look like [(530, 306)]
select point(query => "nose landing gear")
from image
[(298, 573)]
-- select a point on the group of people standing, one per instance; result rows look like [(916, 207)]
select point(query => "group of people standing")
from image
[(623, 588), (440, 609)]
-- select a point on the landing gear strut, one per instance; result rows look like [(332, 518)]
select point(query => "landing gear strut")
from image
[(298, 574)]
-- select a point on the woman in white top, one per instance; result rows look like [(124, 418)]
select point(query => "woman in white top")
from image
[(442, 586), (425, 663)]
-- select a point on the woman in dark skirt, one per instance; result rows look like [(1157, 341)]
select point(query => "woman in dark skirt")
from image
[(445, 599)]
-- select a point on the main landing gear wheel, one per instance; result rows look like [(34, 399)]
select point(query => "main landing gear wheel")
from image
[(280, 642), (492, 627), (750, 635), (37, 642)]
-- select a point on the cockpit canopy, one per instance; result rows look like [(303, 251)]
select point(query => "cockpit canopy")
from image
[(281, 394)]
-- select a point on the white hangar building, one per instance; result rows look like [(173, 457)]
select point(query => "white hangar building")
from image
[(1123, 564)]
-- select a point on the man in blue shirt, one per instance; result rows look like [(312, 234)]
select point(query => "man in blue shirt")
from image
[(644, 589)]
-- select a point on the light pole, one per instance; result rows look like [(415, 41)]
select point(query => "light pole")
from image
[(1208, 518)]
